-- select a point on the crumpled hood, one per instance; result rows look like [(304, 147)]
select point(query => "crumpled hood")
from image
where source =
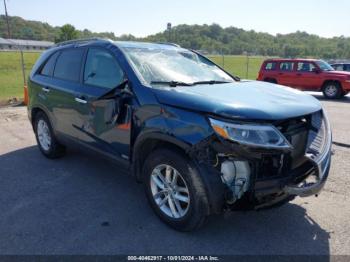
[(242, 100)]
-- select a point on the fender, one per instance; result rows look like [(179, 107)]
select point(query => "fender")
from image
[(211, 177)]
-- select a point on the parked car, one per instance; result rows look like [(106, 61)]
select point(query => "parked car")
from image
[(199, 139), (306, 74), (341, 67)]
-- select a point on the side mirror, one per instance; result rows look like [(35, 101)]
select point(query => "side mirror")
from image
[(317, 70)]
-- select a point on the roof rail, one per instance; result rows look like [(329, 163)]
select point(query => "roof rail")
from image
[(168, 43), (82, 40)]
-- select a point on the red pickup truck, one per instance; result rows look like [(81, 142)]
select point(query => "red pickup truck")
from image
[(306, 74)]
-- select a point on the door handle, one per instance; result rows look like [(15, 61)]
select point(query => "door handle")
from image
[(45, 89), (298, 74), (80, 100)]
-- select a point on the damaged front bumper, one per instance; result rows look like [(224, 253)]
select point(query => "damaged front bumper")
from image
[(264, 178), (321, 162)]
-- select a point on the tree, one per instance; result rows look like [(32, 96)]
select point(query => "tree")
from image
[(67, 32)]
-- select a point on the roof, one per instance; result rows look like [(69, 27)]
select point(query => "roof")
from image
[(291, 59), (22, 42), (120, 44), (133, 44)]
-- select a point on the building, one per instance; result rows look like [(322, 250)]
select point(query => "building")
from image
[(28, 45)]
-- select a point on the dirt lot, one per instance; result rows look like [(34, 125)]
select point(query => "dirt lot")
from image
[(83, 204)]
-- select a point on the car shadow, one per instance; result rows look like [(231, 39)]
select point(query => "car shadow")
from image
[(345, 99), (83, 204)]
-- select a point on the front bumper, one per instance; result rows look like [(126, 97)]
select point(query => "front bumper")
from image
[(316, 166), (321, 162), (346, 85)]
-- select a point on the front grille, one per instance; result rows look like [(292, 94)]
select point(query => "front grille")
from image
[(307, 136)]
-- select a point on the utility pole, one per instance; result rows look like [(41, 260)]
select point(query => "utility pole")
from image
[(168, 26), (7, 21)]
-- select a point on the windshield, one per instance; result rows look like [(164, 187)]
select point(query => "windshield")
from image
[(162, 66), (324, 66)]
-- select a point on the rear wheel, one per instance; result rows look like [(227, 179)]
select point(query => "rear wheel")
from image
[(332, 90), (270, 80), (175, 190), (45, 137)]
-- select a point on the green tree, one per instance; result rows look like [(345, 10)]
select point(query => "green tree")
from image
[(67, 32)]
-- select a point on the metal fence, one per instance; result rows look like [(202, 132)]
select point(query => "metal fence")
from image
[(15, 67)]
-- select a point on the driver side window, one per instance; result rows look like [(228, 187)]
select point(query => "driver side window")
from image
[(102, 69)]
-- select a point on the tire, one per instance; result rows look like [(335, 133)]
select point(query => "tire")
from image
[(191, 214), (332, 90), (47, 142), (344, 94)]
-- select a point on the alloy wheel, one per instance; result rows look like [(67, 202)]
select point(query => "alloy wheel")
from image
[(170, 191), (331, 90), (44, 135)]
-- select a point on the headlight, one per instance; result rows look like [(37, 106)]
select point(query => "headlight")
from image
[(266, 136)]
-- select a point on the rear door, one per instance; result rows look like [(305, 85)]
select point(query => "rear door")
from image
[(64, 86), (58, 80), (103, 124), (307, 78), (286, 73)]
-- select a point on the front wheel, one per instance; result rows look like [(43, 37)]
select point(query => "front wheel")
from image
[(175, 190), (332, 90)]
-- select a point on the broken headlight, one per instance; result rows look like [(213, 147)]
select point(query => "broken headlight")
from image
[(262, 135)]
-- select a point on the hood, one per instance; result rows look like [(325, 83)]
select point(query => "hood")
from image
[(337, 73), (242, 100)]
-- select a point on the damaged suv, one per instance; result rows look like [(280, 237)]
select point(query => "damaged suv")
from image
[(200, 140)]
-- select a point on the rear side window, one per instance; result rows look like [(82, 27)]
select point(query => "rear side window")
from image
[(68, 65), (347, 67), (102, 69), (270, 66), (286, 66), (47, 70)]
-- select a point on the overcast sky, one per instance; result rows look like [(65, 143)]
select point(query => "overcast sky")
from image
[(322, 17)]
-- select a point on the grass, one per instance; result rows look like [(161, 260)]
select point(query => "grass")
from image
[(11, 78), (237, 65)]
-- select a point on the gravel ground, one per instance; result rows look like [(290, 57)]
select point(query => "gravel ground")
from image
[(84, 204)]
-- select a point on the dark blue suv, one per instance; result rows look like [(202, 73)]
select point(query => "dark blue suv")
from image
[(199, 139)]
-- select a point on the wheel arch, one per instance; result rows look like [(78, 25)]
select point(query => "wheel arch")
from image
[(327, 81), (33, 113), (146, 143), (270, 80), (211, 178)]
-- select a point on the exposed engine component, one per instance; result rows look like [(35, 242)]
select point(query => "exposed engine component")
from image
[(236, 175)]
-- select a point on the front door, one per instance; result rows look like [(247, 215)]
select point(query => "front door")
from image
[(307, 77), (104, 120)]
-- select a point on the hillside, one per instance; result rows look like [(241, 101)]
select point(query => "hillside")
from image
[(211, 38)]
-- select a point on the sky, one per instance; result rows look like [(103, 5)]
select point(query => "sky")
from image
[(326, 18)]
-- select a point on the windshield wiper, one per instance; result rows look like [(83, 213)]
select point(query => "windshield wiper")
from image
[(171, 83), (210, 82), (179, 83)]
